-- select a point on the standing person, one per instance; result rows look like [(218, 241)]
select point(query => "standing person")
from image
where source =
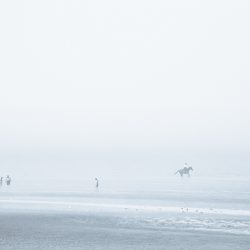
[(8, 180), (96, 183), (1, 181)]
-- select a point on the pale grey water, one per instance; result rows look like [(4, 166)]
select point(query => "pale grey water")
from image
[(64, 231), (206, 208), (206, 192)]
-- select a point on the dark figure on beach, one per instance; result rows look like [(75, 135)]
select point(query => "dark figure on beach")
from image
[(1, 181), (96, 183), (184, 170), (8, 180)]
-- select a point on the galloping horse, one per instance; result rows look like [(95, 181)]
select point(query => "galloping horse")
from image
[(184, 170)]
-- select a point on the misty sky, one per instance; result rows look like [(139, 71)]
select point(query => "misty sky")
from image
[(103, 85)]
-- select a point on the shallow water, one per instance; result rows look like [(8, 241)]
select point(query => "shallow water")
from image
[(26, 230), (204, 192), (202, 204)]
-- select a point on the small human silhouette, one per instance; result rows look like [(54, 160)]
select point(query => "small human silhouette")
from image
[(96, 183), (8, 180)]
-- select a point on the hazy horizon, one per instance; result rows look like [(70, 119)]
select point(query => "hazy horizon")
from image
[(124, 89)]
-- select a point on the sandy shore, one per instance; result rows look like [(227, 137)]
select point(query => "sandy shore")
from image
[(53, 230), (166, 218)]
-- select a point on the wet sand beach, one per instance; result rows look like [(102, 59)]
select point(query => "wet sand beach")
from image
[(48, 230), (156, 216)]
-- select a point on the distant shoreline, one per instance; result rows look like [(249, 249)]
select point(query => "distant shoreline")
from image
[(119, 207)]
